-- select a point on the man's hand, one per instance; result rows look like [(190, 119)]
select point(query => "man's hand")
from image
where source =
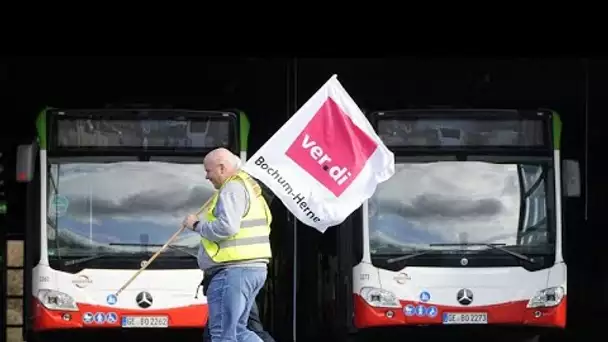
[(189, 221)]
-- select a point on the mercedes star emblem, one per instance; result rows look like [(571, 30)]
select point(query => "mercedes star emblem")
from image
[(144, 300), (464, 261), (464, 296)]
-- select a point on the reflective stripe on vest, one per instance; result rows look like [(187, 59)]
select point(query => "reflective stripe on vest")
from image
[(253, 239)]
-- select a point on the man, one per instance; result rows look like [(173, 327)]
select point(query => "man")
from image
[(254, 323), (235, 246)]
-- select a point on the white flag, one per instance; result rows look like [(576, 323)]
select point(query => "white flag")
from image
[(325, 161)]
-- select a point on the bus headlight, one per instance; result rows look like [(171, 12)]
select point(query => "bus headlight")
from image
[(55, 300), (379, 297), (546, 298)]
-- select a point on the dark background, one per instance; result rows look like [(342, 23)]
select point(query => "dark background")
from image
[(269, 90)]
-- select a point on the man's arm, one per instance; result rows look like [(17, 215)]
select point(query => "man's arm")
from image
[(230, 208)]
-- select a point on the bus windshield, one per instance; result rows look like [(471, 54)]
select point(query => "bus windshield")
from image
[(459, 202), (117, 207)]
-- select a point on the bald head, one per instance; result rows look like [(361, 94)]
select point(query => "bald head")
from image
[(220, 164)]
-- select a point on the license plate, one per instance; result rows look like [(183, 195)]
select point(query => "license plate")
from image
[(145, 321), (465, 318)]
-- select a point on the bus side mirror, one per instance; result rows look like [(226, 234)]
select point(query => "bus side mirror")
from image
[(26, 158), (571, 178)]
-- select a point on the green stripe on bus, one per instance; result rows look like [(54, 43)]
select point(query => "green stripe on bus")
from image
[(557, 130), (244, 131), (41, 128)]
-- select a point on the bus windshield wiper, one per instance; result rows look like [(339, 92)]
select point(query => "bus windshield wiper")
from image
[(97, 256), (155, 245), (496, 246), (410, 256)]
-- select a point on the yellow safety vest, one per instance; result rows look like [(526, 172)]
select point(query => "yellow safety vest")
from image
[(253, 239)]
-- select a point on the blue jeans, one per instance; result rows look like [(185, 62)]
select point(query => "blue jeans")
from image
[(230, 296), (254, 324)]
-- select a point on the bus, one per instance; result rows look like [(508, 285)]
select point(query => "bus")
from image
[(469, 230), (106, 189)]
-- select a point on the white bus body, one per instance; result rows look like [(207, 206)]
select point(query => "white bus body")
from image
[(443, 204), (104, 199)]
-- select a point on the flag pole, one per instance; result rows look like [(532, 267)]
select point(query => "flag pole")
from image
[(181, 229)]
